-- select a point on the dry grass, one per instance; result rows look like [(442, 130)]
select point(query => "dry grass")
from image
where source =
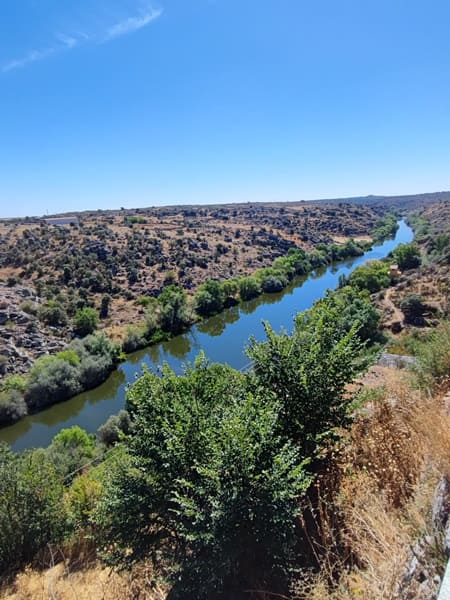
[(381, 501), (370, 509), (96, 582)]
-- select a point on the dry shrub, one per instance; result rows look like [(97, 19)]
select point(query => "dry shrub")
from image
[(385, 445), (371, 517)]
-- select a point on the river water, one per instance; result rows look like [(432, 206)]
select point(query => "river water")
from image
[(223, 339)]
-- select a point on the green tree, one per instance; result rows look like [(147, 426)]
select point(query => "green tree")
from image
[(32, 511), (372, 276), (249, 288), (407, 256), (209, 487), (51, 380), (209, 298), (53, 313), (308, 372), (104, 309), (70, 450), (85, 321), (173, 309), (413, 309)]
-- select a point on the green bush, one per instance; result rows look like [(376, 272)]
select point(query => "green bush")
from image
[(70, 450), (53, 313), (116, 426), (85, 321), (210, 487), (433, 359), (32, 510), (249, 288), (372, 276), (209, 298), (413, 309), (12, 406), (134, 339), (407, 256), (174, 315), (51, 380), (308, 372)]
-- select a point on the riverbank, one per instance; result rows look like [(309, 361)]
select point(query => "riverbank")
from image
[(58, 378), (222, 337)]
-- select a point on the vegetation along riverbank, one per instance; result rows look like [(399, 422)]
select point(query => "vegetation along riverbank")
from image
[(56, 378), (303, 477)]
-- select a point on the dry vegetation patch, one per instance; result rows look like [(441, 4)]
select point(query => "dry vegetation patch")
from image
[(377, 536)]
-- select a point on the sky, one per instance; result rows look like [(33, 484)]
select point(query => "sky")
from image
[(111, 103)]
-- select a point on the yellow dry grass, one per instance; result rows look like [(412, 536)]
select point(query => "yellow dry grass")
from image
[(97, 582), (382, 499)]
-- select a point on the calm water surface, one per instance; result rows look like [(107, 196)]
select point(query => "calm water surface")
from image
[(223, 339)]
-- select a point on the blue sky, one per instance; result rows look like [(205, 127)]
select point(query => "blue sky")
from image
[(109, 103)]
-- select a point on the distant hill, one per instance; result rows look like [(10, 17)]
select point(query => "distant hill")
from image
[(409, 201)]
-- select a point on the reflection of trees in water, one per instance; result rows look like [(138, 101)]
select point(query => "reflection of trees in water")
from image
[(317, 273), (179, 347), (215, 326), (154, 353), (63, 412)]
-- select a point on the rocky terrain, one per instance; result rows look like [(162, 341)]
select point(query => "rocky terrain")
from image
[(23, 337), (110, 260)]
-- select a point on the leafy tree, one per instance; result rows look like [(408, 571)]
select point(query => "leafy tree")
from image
[(249, 288), (32, 511), (308, 372), (110, 432), (12, 406), (104, 309), (85, 321), (173, 309), (407, 256), (413, 309), (70, 450), (230, 289), (372, 276), (209, 487), (209, 298), (51, 380), (53, 313)]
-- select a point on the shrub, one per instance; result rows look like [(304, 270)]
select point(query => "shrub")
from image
[(407, 256), (51, 380), (32, 511), (14, 382), (173, 309), (134, 339), (209, 298), (249, 288), (372, 276), (85, 321), (53, 313), (433, 359), (110, 432), (209, 484), (413, 309), (12, 406), (70, 450)]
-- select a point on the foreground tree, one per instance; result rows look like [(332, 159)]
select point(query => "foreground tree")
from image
[(210, 487), (308, 372), (32, 512)]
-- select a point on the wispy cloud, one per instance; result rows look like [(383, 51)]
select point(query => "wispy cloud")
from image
[(30, 57), (133, 24), (66, 42)]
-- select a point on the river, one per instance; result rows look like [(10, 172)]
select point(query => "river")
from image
[(223, 339)]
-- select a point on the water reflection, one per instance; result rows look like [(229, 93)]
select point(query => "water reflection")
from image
[(222, 337), (215, 326)]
